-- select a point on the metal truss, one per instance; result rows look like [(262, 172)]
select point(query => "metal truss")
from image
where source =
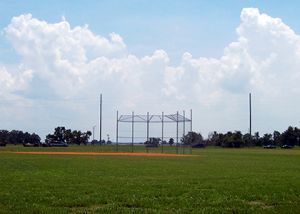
[(154, 118)]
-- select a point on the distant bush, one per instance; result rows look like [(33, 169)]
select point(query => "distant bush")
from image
[(152, 142), (193, 139)]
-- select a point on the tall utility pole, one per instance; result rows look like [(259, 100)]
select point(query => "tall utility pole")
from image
[(148, 126), (162, 132), (191, 127), (117, 131), (132, 131), (100, 119), (250, 117), (183, 122), (177, 132), (94, 132)]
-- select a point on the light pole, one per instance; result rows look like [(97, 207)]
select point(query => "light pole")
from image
[(100, 119), (94, 132)]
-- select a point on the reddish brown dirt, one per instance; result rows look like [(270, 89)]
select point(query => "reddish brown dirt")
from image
[(143, 154)]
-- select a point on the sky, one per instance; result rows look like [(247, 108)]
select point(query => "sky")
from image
[(56, 57)]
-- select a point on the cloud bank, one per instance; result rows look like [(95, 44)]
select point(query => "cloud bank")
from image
[(61, 62)]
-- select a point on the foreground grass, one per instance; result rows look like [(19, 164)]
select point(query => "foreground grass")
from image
[(214, 181)]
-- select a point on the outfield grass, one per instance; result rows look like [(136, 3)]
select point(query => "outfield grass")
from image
[(214, 181)]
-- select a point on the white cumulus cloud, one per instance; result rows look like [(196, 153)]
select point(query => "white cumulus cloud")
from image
[(60, 61)]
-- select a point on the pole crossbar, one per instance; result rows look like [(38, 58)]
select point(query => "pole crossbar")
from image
[(172, 118)]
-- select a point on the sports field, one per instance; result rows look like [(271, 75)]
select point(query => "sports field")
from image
[(213, 180)]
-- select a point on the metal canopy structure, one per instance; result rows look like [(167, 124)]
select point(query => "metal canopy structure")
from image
[(153, 118)]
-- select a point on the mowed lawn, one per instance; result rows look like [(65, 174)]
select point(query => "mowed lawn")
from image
[(215, 180)]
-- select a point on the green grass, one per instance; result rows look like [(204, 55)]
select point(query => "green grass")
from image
[(105, 148), (214, 181)]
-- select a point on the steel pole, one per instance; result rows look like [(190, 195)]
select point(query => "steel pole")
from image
[(177, 132), (132, 132), (162, 132), (94, 132), (117, 131), (100, 119), (191, 120), (250, 117), (183, 122), (147, 126)]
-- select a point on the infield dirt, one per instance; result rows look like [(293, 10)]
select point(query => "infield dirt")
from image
[(143, 154)]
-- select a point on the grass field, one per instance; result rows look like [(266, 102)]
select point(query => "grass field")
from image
[(215, 180)]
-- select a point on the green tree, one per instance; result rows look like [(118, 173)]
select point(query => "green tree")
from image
[(231, 139), (85, 137), (247, 139), (257, 141), (63, 135), (15, 137), (35, 139), (267, 139), (152, 142), (192, 138), (4, 137), (213, 138), (276, 138), (289, 137)]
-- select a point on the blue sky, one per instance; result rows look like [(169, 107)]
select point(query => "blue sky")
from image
[(187, 43), (203, 28)]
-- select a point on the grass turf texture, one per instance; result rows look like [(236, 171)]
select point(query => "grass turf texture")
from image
[(214, 181)]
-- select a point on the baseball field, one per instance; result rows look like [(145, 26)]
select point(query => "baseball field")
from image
[(80, 179)]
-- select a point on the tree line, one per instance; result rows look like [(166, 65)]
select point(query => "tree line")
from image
[(288, 138), (63, 137), (18, 137), (60, 137)]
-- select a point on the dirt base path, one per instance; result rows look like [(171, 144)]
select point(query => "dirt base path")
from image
[(142, 154)]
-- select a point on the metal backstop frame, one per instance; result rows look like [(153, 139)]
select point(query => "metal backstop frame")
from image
[(153, 118)]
